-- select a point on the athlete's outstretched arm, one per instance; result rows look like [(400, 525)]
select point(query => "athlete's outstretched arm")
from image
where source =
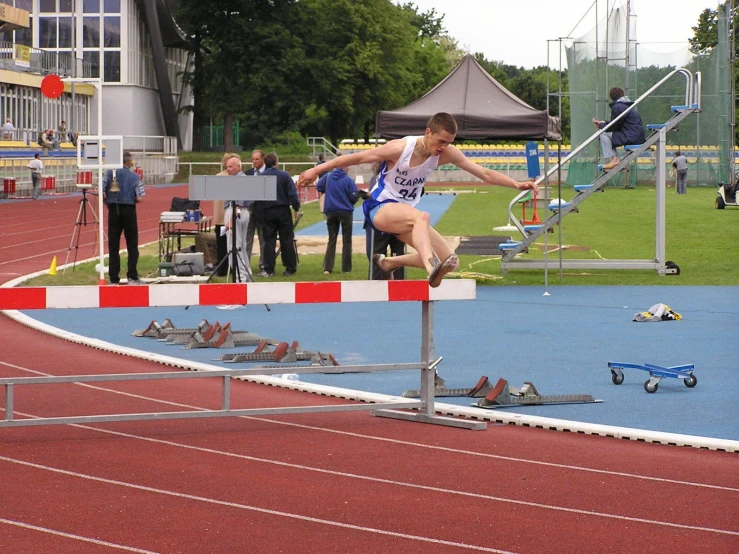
[(390, 151), (454, 156)]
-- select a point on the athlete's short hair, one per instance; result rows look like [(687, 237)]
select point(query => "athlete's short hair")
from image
[(442, 121)]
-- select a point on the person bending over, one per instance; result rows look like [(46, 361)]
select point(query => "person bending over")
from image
[(406, 164)]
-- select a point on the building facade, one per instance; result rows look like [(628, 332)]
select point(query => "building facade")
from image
[(134, 46)]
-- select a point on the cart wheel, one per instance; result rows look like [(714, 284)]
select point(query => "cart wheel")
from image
[(616, 378), (691, 381), (671, 268), (650, 388), (720, 204)]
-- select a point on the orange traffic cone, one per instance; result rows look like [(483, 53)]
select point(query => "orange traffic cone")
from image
[(52, 268)]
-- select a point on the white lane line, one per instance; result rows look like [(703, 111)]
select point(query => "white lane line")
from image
[(375, 479), (75, 537), (217, 502), (352, 476), (402, 442)]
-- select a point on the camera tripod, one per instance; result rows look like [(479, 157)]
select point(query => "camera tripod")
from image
[(234, 257), (80, 222)]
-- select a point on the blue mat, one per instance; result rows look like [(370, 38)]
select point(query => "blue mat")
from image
[(562, 343)]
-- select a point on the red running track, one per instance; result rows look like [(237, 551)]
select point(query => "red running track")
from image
[(345, 482)]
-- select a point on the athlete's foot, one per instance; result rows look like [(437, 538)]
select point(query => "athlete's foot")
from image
[(442, 268), (613, 163), (379, 260)]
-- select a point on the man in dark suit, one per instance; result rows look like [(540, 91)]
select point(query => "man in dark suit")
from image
[(277, 219), (257, 162)]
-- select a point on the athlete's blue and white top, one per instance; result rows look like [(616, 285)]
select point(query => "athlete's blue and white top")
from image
[(402, 183)]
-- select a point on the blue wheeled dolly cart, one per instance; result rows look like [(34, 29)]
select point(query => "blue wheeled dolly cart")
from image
[(656, 374)]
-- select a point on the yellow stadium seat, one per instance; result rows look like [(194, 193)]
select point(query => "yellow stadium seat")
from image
[(12, 144)]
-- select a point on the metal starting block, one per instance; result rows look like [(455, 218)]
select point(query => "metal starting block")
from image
[(504, 396), (224, 337), (656, 374), (281, 353), (155, 330), (481, 389)]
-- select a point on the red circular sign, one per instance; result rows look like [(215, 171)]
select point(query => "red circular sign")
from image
[(52, 86)]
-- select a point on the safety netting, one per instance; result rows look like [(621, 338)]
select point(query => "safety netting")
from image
[(609, 55)]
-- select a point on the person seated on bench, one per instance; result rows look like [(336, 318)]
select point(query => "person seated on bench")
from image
[(46, 139), (628, 130)]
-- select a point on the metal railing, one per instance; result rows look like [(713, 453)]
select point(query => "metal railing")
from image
[(42, 62), (320, 144), (64, 169), (150, 144), (692, 91)]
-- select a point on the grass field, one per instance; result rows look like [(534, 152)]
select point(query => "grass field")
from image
[(617, 224)]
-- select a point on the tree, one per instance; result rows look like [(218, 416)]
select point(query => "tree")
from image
[(243, 50), (366, 56)]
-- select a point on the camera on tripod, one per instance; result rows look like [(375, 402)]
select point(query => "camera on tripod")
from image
[(83, 186)]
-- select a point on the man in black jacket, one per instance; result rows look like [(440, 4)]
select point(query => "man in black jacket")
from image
[(255, 226), (277, 219)]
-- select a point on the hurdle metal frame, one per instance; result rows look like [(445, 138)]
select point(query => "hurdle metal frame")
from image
[(425, 406)]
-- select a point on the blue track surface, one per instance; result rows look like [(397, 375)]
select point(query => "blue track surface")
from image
[(562, 343), (434, 204)]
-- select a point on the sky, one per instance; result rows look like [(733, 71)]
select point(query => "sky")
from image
[(518, 33)]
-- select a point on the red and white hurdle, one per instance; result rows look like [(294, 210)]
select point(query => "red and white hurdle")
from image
[(31, 298)]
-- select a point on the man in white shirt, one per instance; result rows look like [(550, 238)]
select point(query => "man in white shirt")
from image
[(8, 130), (36, 166)]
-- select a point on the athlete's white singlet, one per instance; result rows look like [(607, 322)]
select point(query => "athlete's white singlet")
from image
[(404, 183)]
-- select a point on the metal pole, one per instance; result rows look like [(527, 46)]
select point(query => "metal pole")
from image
[(660, 202), (428, 375), (75, 49), (99, 86)]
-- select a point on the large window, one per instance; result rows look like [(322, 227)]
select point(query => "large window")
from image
[(91, 32), (47, 32), (25, 36), (21, 36), (100, 38), (112, 67), (93, 58), (65, 32), (112, 28)]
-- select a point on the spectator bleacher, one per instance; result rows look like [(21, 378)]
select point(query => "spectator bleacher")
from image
[(504, 157)]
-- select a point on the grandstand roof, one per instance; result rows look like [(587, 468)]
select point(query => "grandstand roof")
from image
[(483, 108)]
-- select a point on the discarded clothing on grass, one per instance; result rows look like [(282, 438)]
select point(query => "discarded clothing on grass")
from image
[(658, 312)]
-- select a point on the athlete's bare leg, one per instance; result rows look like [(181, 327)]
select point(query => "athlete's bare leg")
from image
[(412, 226), (440, 248)]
